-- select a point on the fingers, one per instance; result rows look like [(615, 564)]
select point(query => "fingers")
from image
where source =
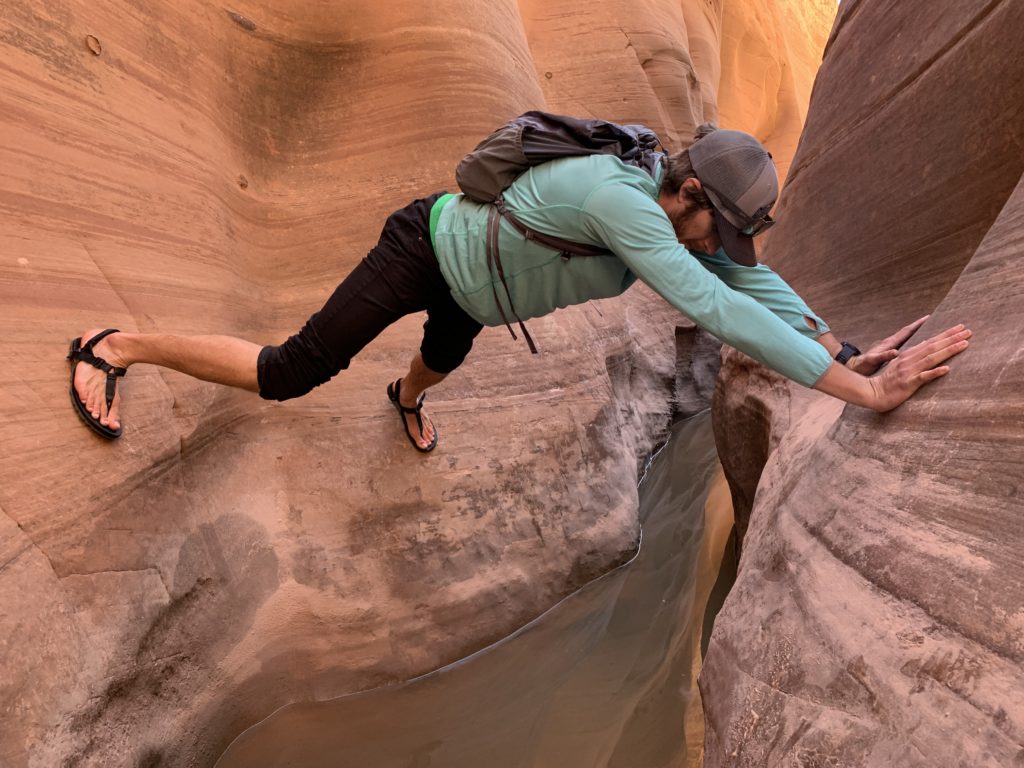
[(946, 352), (925, 376), (952, 337), (899, 338), (909, 330), (870, 362), (877, 358), (919, 365)]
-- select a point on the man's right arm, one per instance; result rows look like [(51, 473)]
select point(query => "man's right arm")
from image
[(907, 373), (636, 229)]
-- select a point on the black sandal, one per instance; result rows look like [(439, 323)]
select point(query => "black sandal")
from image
[(393, 394), (82, 353)]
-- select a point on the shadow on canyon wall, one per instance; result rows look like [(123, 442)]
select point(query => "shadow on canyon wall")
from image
[(604, 678), (879, 595), (196, 169)]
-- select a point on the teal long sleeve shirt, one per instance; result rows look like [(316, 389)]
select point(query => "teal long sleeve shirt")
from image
[(601, 201)]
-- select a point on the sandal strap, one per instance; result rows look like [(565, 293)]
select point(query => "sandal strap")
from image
[(98, 362), (397, 386), (84, 354), (417, 410), (87, 347), (111, 389)]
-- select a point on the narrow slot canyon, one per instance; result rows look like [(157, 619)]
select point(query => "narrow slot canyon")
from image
[(237, 581)]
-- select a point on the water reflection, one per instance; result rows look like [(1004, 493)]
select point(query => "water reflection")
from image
[(603, 679)]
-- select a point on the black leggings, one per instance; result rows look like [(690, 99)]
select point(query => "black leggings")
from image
[(399, 276)]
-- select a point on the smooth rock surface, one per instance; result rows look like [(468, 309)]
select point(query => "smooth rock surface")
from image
[(191, 168), (878, 618), (603, 679)]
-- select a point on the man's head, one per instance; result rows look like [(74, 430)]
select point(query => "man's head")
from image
[(720, 189)]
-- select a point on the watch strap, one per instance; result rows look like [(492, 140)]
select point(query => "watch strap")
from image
[(846, 352)]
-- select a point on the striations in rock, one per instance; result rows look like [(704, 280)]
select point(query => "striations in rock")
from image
[(878, 617), (193, 168)]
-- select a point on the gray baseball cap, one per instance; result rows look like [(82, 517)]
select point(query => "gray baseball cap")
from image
[(739, 177)]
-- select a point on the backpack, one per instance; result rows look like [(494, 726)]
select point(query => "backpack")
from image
[(531, 139)]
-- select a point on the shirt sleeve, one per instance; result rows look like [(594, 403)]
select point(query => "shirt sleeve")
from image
[(767, 288), (636, 229)]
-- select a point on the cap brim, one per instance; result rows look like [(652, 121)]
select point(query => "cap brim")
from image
[(738, 247)]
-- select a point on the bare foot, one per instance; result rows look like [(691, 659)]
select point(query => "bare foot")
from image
[(91, 383), (425, 438)]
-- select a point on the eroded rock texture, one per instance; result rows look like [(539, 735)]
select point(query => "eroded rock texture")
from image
[(878, 619), (195, 168)]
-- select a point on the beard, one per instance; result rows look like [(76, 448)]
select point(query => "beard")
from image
[(683, 216)]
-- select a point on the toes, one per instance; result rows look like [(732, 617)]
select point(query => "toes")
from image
[(94, 404), (110, 417), (94, 399), (422, 437)]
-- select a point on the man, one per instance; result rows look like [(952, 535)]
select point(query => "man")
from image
[(687, 232)]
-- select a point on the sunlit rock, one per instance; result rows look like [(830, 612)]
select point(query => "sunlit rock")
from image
[(196, 168)]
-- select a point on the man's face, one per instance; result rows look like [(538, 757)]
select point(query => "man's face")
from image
[(695, 229), (694, 226)]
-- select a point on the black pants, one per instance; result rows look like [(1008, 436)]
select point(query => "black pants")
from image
[(399, 276)]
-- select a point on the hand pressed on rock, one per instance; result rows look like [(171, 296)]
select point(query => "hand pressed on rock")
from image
[(883, 351), (916, 366)]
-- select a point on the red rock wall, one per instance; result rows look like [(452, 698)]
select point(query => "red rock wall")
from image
[(878, 615), (770, 55), (196, 169)]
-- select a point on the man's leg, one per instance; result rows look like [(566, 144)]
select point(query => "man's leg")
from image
[(378, 291), (400, 275), (381, 289), (414, 384), (220, 359), (448, 337)]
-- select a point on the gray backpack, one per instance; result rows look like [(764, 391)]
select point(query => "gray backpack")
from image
[(531, 139)]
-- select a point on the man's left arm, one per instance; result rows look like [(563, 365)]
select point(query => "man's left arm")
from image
[(766, 287)]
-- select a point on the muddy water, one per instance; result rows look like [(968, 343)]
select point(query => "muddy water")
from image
[(603, 679)]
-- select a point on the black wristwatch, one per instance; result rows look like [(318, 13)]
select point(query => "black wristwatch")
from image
[(848, 351)]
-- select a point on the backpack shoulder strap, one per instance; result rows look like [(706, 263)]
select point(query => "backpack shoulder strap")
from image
[(494, 263), (566, 247)]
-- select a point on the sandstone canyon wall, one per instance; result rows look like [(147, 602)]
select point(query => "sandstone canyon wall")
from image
[(878, 618), (191, 168)]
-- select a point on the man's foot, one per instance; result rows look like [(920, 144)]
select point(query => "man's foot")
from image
[(89, 384), (418, 427)]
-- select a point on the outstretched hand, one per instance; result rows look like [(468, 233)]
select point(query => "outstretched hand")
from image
[(881, 352), (916, 366)]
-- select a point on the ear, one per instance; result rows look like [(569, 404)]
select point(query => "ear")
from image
[(690, 185)]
